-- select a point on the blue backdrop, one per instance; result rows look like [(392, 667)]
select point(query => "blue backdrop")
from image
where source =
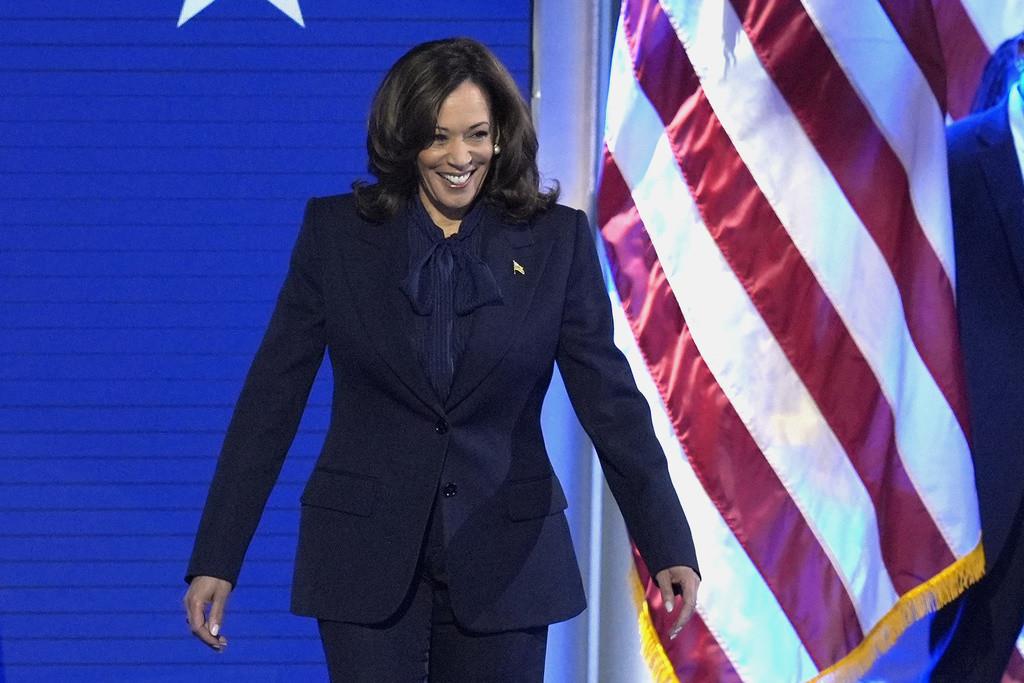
[(152, 180)]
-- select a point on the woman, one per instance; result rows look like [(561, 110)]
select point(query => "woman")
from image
[(433, 537)]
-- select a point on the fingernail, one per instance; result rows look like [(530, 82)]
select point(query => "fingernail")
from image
[(669, 606), (672, 636), (214, 629)]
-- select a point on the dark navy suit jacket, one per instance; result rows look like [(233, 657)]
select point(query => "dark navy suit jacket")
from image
[(392, 444), (988, 222)]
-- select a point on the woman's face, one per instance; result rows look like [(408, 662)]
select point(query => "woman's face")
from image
[(453, 167)]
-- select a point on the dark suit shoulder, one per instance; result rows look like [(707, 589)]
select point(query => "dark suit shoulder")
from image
[(972, 135), (557, 214), (338, 215), (556, 222), (341, 205), (343, 200)]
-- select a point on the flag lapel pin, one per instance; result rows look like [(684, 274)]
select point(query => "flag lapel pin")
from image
[(516, 268)]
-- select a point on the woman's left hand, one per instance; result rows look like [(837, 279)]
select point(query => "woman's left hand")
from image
[(688, 581)]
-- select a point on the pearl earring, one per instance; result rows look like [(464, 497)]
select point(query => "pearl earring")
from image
[(497, 149)]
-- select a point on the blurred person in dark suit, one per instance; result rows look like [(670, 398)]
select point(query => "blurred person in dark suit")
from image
[(973, 638)]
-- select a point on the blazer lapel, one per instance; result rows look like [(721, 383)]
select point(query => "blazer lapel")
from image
[(1003, 177), (376, 264), (494, 327)]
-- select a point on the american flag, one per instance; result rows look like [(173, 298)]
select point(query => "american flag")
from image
[(775, 210)]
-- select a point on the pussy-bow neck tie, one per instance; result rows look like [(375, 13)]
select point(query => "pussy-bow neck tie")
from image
[(447, 271), (446, 278)]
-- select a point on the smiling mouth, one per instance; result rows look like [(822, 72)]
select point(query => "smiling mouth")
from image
[(457, 181)]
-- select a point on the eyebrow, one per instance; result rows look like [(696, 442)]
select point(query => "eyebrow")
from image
[(481, 123)]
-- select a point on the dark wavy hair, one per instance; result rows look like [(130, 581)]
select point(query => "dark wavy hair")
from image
[(404, 115), (1001, 71)]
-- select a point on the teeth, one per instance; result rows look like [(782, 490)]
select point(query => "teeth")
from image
[(456, 179)]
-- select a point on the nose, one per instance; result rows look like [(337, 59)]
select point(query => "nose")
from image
[(459, 154)]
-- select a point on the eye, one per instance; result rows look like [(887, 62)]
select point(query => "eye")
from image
[(440, 138), (481, 134)]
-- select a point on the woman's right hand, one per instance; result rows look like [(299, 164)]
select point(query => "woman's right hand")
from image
[(203, 591)]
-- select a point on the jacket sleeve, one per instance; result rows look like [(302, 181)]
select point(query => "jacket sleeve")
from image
[(616, 416), (267, 413)]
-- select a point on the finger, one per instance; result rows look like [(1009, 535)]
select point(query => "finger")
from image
[(689, 586), (196, 606), (215, 621), (685, 612), (664, 581)]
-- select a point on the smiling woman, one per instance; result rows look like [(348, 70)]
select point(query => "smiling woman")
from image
[(452, 170), (451, 96), (433, 540)]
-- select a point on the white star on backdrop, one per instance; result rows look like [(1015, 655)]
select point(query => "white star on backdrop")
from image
[(194, 7)]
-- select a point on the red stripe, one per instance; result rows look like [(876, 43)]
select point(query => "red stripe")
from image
[(769, 526), (965, 55), (869, 173), (789, 299), (914, 21), (1015, 669), (695, 655)]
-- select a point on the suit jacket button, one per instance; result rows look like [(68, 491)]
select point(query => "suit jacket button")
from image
[(441, 427), (450, 489)]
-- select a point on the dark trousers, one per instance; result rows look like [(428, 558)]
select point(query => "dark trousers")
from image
[(974, 636), (422, 641)]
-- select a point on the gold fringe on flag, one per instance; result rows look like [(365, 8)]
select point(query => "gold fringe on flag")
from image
[(918, 602), (922, 600), (650, 644)]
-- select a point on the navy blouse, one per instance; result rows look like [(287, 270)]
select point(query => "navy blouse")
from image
[(447, 281)]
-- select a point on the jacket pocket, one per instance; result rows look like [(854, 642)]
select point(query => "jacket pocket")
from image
[(341, 491), (535, 498)]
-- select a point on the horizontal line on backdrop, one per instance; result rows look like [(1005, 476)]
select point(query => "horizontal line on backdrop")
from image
[(133, 224), (163, 458), (125, 328), (133, 560), (200, 72), (139, 378), (134, 534), (270, 19), (175, 122), (151, 198), (135, 638), (60, 432), (247, 663), (289, 46), (181, 172), (119, 587), (227, 250), (186, 146), (119, 354), (192, 72), (75, 613), (148, 406), (93, 94), (114, 482), (76, 509), (125, 276), (190, 302)]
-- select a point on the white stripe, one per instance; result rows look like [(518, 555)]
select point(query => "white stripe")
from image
[(844, 259), (902, 104), (735, 603), (995, 21), (744, 356)]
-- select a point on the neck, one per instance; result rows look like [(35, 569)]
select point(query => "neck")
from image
[(449, 224)]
